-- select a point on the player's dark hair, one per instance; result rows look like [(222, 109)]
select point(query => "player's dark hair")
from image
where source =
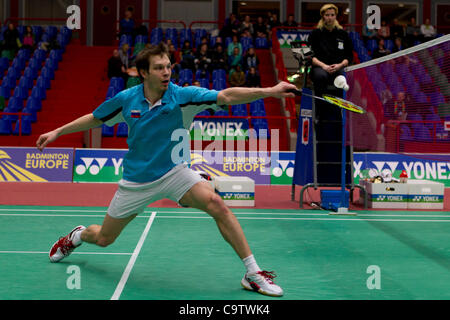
[(143, 57)]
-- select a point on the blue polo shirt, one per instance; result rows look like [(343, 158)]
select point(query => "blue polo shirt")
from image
[(150, 141)]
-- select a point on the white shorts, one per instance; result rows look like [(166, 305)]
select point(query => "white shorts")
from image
[(132, 198)]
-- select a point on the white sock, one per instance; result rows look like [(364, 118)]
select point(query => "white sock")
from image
[(76, 237), (250, 264)]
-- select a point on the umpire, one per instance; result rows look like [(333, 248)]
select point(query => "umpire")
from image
[(333, 49)]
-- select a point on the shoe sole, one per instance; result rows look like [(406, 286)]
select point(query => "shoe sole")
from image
[(246, 285)]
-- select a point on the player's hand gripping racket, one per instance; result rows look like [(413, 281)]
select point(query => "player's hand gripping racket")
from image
[(341, 103)]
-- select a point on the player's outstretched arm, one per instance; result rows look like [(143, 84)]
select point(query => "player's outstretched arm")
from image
[(240, 95), (83, 123)]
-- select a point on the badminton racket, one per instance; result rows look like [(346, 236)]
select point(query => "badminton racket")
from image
[(341, 103)]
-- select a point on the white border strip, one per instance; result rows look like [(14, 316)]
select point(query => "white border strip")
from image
[(308, 219), (94, 253), (133, 258), (239, 214), (399, 53)]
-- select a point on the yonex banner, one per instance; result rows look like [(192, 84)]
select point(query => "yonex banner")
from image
[(219, 129), (432, 167), (282, 168), (98, 165), (30, 164), (285, 37)]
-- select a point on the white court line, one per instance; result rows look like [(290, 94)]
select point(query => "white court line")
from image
[(133, 258), (315, 214), (306, 219), (205, 216), (46, 252), (52, 215), (200, 212)]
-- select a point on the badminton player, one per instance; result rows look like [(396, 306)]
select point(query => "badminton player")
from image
[(153, 110)]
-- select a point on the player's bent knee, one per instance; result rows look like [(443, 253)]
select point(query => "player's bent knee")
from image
[(105, 241), (216, 201)]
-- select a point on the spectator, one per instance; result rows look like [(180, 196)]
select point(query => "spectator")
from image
[(11, 40), (253, 79), (175, 65), (219, 58), (332, 48), (218, 42), (397, 30), (48, 46), (246, 34), (237, 77), (274, 22), (126, 25), (398, 44), (230, 27), (203, 40), (235, 59), (187, 56), (412, 32), (399, 107), (368, 34), (427, 31), (169, 42), (290, 22), (196, 83), (116, 67), (384, 32), (250, 59), (260, 28), (28, 39), (125, 55), (202, 59), (246, 24), (381, 50), (234, 44)]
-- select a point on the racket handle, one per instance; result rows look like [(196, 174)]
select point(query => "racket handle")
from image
[(295, 91)]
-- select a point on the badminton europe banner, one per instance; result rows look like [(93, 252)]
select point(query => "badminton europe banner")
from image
[(32, 165)]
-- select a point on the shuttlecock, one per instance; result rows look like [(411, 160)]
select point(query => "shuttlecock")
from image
[(341, 83), (387, 175)]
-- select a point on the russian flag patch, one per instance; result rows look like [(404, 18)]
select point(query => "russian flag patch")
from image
[(135, 113)]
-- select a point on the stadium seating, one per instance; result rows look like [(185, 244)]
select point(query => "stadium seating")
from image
[(122, 130), (239, 110), (5, 90), (22, 127), (5, 127), (38, 93), (261, 127), (261, 43), (15, 104), (32, 116), (107, 131), (34, 104), (221, 113), (117, 82)]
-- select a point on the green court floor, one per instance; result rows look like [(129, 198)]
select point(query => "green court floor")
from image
[(179, 254)]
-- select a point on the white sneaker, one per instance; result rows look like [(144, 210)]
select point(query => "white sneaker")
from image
[(64, 246), (261, 282)]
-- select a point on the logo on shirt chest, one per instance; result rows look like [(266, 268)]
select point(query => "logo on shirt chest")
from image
[(136, 114)]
